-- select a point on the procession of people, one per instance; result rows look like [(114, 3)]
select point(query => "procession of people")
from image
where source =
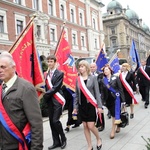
[(93, 90)]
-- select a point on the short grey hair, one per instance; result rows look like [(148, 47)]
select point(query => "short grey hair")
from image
[(9, 58)]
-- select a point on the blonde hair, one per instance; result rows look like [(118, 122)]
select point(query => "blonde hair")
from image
[(86, 64), (126, 65)]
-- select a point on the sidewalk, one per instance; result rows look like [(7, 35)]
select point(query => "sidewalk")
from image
[(128, 139)]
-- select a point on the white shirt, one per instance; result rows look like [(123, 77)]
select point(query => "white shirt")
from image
[(10, 82), (124, 74)]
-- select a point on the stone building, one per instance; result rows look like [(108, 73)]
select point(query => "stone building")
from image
[(121, 26), (83, 24)]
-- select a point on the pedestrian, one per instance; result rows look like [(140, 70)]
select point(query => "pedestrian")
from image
[(98, 74), (21, 125), (129, 86), (55, 101), (88, 102), (143, 75), (112, 94), (69, 97)]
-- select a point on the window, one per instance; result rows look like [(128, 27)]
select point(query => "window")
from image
[(114, 42), (74, 39), (50, 7), (36, 4), (62, 13), (82, 41), (18, 2), (81, 19), (72, 15), (38, 31), (113, 30), (1, 24), (95, 43), (19, 26), (94, 24), (52, 34)]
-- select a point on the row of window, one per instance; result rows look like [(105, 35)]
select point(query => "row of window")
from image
[(37, 5), (53, 32)]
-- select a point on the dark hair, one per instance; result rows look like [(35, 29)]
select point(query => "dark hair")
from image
[(51, 57), (108, 67)]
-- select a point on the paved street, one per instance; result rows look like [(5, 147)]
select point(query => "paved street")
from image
[(128, 139)]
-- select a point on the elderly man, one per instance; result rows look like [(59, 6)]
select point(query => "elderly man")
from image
[(21, 125)]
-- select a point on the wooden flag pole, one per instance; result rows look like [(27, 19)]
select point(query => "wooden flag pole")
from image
[(22, 32), (60, 38)]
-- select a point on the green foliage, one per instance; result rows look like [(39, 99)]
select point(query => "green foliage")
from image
[(44, 66), (147, 143), (44, 108)]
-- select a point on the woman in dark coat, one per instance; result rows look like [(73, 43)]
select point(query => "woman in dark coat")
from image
[(111, 88), (130, 79)]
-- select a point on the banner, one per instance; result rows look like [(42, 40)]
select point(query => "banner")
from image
[(25, 55), (66, 62)]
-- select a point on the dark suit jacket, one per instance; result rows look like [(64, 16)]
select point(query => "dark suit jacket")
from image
[(21, 104), (57, 81), (130, 78), (116, 84), (93, 87), (141, 79)]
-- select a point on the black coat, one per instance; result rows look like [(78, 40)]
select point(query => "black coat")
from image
[(141, 79)]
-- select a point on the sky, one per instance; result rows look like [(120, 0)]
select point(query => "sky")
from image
[(140, 7)]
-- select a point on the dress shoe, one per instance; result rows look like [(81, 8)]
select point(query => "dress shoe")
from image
[(64, 143), (101, 128), (146, 106), (99, 147), (109, 115), (131, 116), (54, 146), (67, 129), (75, 126)]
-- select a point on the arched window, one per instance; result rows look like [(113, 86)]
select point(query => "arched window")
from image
[(72, 15), (50, 4), (81, 19), (62, 13)]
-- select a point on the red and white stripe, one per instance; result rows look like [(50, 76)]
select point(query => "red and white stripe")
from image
[(57, 95), (88, 95), (144, 73), (128, 88)]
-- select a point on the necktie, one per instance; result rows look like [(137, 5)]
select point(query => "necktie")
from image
[(51, 74), (3, 90)]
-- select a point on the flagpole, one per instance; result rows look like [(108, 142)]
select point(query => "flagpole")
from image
[(22, 33), (100, 50), (60, 38)]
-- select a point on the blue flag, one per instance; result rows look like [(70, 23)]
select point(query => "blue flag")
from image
[(134, 55), (114, 63), (101, 60)]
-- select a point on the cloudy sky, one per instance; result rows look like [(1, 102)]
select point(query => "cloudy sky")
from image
[(142, 8)]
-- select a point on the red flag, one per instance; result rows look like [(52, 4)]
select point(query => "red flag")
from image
[(26, 58), (66, 62)]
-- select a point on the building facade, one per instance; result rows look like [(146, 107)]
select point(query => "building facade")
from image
[(82, 18), (121, 26)]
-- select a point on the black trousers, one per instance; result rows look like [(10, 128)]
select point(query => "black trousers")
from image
[(55, 111), (144, 91)]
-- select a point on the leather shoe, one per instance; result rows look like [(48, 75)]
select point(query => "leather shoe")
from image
[(75, 126), (64, 143), (146, 106), (101, 128), (67, 129), (54, 146)]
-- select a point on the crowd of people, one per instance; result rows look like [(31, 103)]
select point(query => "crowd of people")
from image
[(21, 126)]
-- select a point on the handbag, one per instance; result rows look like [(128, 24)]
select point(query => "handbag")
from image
[(124, 116)]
